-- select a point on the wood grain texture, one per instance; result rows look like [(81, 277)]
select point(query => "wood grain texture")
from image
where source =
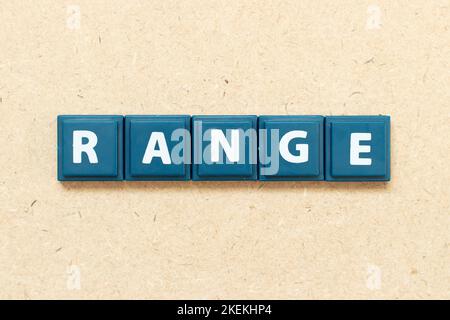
[(216, 239)]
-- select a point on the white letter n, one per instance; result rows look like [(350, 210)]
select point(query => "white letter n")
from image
[(231, 151)]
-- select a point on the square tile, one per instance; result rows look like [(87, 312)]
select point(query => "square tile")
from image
[(90, 147), (224, 148), (357, 148), (157, 147), (291, 148)]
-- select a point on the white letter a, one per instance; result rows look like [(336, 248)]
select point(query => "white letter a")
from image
[(150, 152)]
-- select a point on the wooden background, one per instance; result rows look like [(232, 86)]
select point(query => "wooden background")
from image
[(225, 239)]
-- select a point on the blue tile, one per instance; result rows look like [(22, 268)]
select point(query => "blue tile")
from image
[(90, 148), (236, 134), (291, 148), (357, 148), (157, 147)]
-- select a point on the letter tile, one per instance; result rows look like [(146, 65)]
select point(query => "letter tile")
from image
[(357, 148), (224, 147), (157, 147), (90, 147), (291, 148)]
